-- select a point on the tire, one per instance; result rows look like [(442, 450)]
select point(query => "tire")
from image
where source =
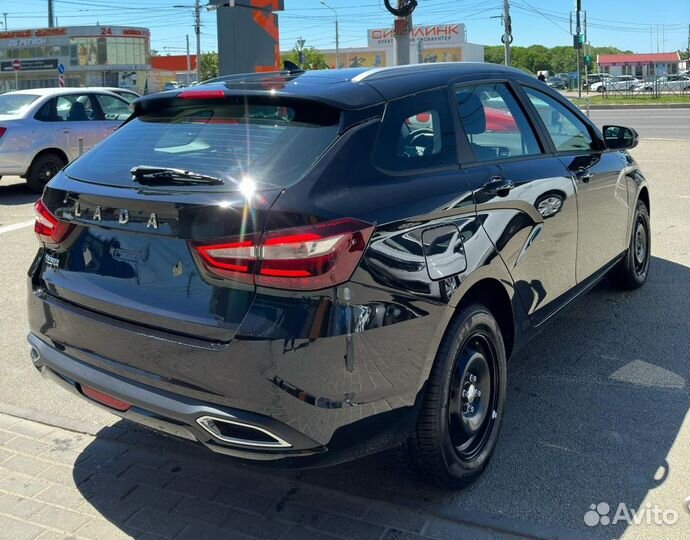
[(456, 433), (601, 89), (44, 167), (632, 271)]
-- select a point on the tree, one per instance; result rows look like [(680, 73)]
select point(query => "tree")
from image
[(313, 58), (209, 66)]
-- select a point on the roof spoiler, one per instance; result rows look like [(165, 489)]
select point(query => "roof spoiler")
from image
[(289, 68)]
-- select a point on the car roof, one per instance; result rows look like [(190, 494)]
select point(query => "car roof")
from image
[(349, 88), (111, 89), (58, 91)]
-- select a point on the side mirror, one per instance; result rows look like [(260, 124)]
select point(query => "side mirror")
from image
[(620, 138)]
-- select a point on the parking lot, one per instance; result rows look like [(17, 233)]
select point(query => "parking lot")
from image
[(597, 405)]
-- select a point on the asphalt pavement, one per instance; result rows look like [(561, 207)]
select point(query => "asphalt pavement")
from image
[(597, 404), (649, 123)]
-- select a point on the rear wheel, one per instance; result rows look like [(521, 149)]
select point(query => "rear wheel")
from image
[(458, 426), (631, 272), (42, 170)]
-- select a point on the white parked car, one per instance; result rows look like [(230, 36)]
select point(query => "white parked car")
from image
[(125, 93), (41, 129), (622, 82), (667, 83)]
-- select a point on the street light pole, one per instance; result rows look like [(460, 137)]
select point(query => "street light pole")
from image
[(189, 63), (337, 36)]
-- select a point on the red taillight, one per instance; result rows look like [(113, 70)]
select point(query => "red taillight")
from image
[(2, 131), (48, 228), (201, 94), (303, 258)]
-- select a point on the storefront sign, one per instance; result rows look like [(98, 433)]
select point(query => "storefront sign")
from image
[(444, 33), (31, 64), (27, 42)]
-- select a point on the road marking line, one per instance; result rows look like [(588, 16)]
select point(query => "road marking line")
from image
[(15, 226)]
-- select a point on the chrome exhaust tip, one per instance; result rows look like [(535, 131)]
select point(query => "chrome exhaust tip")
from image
[(35, 355), (239, 433)]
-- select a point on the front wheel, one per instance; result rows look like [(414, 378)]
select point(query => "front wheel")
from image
[(458, 425), (632, 271)]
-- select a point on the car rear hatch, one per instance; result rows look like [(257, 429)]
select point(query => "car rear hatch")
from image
[(123, 222)]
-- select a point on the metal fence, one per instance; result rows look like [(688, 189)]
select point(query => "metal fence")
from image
[(666, 85)]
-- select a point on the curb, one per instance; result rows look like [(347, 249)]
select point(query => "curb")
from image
[(493, 523), (640, 106)]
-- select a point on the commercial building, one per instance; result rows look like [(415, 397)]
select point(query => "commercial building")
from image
[(640, 65), (91, 56), (437, 43)]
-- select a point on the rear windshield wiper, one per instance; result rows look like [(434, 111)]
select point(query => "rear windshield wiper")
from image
[(147, 174)]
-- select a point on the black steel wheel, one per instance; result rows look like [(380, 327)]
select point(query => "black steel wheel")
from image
[(632, 271), (43, 169), (458, 425)]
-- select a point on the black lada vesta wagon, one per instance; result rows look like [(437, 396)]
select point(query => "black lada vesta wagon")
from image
[(304, 268)]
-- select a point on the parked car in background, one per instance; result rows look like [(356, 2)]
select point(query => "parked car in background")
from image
[(42, 130), (620, 83), (125, 93), (308, 267), (171, 85), (557, 83), (594, 78), (667, 83)]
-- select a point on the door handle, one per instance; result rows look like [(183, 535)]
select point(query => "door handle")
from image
[(498, 186)]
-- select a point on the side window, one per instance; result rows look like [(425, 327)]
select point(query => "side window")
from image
[(495, 125), (416, 133), (113, 108), (568, 132), (75, 108)]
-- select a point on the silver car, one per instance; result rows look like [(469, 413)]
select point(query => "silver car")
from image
[(42, 130), (667, 83), (620, 83)]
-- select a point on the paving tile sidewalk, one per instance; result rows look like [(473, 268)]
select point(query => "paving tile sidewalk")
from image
[(59, 484)]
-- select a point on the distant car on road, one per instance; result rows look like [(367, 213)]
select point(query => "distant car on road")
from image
[(667, 83), (621, 83), (594, 78), (171, 85), (556, 82), (40, 129)]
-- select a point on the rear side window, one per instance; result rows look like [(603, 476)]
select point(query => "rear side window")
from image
[(416, 133), (273, 144)]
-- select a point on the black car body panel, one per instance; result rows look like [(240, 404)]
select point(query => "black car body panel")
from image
[(131, 311)]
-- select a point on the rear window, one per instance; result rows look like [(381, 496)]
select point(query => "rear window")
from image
[(15, 104), (272, 144)]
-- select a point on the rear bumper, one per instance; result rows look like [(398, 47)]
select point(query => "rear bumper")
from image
[(172, 414), (302, 391)]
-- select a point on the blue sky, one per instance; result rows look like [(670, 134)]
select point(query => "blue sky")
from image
[(627, 24)]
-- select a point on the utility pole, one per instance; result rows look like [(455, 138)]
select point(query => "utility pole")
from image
[(403, 25), (337, 35), (51, 23), (197, 29), (507, 37), (5, 15), (578, 29), (300, 51), (189, 62)]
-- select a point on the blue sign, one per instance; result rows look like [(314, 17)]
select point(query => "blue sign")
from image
[(61, 68)]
